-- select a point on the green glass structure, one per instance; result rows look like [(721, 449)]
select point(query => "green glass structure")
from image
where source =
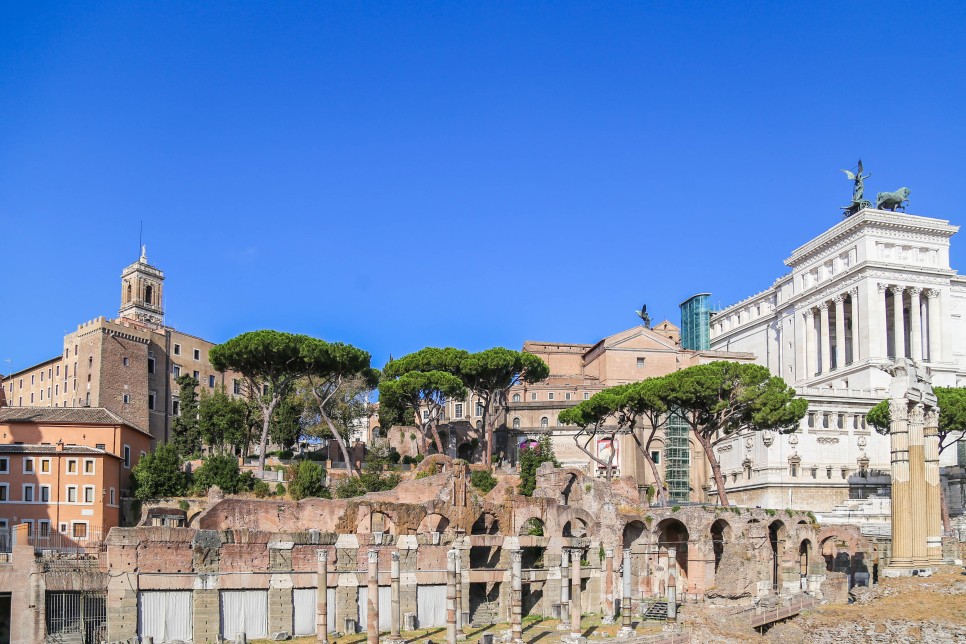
[(696, 322), (677, 459)]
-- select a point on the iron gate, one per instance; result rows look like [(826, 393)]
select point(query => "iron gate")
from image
[(76, 617)]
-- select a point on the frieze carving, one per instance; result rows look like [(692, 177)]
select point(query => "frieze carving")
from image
[(725, 448), (793, 440), (862, 441), (749, 442), (827, 440), (767, 438)]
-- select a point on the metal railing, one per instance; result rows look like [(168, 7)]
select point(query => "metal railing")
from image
[(90, 541), (759, 617), (76, 617)]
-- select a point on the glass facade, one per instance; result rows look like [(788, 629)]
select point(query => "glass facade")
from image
[(677, 459), (696, 322)]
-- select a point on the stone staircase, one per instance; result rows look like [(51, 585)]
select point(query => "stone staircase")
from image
[(657, 610), (485, 613)]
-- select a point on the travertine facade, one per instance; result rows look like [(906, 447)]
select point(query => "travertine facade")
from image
[(874, 287)]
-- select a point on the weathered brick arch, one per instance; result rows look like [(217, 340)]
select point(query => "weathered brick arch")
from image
[(568, 514), (523, 514)]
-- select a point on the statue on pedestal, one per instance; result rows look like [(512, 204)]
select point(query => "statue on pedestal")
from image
[(858, 191)]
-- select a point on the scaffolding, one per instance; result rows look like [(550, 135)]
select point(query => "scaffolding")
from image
[(677, 459)]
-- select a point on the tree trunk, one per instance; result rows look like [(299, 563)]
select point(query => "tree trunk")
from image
[(715, 470), (434, 432), (658, 482), (335, 433), (488, 443), (944, 510), (263, 443)]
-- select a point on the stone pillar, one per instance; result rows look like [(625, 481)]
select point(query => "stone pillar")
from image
[(811, 345), (626, 592), (915, 324), (801, 346), (826, 352), (608, 602), (901, 501), (917, 483), (879, 324), (898, 322), (852, 321), (459, 594), (564, 590), (575, 598), (934, 527), (672, 585), (935, 326), (322, 598), (451, 597), (394, 588), (516, 596), (839, 331), (372, 601)]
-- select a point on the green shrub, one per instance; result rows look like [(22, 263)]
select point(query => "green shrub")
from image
[(184, 505), (317, 455), (261, 489), (533, 527), (789, 512), (221, 470), (675, 508), (285, 454), (483, 481), (159, 474), (306, 479), (530, 460), (279, 489), (770, 512), (418, 458), (394, 457)]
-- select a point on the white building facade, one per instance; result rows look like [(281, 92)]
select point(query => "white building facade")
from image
[(874, 287)]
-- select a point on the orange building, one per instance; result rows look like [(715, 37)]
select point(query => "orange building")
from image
[(63, 471)]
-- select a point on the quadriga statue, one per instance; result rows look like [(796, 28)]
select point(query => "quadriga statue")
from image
[(897, 200)]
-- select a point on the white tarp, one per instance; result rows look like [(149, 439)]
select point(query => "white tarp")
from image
[(385, 606), (165, 615), (244, 611), (431, 606), (306, 603)]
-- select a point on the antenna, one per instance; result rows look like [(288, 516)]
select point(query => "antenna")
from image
[(140, 234)]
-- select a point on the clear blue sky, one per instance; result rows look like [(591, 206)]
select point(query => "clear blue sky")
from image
[(397, 175)]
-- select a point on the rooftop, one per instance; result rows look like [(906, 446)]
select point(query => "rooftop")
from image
[(47, 448), (77, 415)]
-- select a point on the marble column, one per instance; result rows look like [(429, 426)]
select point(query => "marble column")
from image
[(880, 342), (672, 585), (934, 521), (608, 602), (852, 322), (394, 588), (915, 324), (451, 596), (626, 592), (901, 501), (898, 322), (372, 601), (575, 599), (917, 483), (516, 596), (808, 360), (564, 590), (459, 594), (839, 331), (322, 598), (826, 351), (935, 325)]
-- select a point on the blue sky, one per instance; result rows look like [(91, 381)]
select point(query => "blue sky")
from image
[(397, 175)]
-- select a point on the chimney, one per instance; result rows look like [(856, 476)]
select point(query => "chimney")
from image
[(60, 445)]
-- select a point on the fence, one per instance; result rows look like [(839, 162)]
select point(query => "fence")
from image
[(76, 617)]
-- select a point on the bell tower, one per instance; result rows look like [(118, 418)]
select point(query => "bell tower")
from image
[(142, 287)]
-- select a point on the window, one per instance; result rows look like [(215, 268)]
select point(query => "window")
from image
[(264, 390), (125, 361), (197, 354), (126, 399), (176, 371), (150, 365), (4, 491), (211, 382), (425, 415), (533, 396), (479, 409), (28, 465), (855, 421), (58, 370), (151, 400), (112, 497), (176, 407), (72, 494), (793, 470), (550, 396), (126, 460), (586, 395), (177, 349), (78, 529), (640, 363), (516, 397), (4, 465), (458, 410), (516, 423), (814, 472), (30, 526), (90, 362), (567, 396), (72, 466), (45, 494), (825, 419), (45, 466), (28, 493), (196, 375), (545, 422), (88, 466), (656, 456), (44, 528), (235, 386), (88, 494)]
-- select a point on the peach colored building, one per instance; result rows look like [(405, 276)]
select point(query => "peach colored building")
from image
[(64, 471)]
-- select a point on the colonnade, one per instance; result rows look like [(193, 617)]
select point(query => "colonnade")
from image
[(837, 333)]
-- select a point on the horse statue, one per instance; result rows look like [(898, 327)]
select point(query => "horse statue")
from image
[(897, 200)]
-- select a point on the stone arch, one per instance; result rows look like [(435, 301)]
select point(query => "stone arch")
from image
[(533, 527), (433, 522), (720, 536), (576, 527), (571, 513), (777, 535), (672, 533), (804, 557), (381, 522), (634, 531), (486, 523), (465, 451)]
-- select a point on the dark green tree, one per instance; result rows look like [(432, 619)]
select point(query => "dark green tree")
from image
[(270, 362), (222, 421), (286, 425), (530, 460), (159, 474), (490, 374), (373, 477), (185, 431), (221, 470), (307, 480), (720, 398)]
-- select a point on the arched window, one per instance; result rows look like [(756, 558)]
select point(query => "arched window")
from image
[(516, 397), (516, 423), (545, 422), (147, 294)]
